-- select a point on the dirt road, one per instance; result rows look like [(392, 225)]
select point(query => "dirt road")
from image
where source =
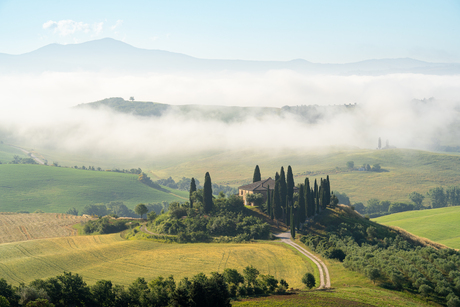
[(325, 279)]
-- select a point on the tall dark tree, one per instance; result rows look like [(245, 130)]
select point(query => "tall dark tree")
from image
[(292, 222), (192, 189), (283, 190), (207, 193), (309, 207), (290, 185), (316, 197), (269, 210), (301, 209), (277, 210), (287, 213), (256, 176), (277, 176)]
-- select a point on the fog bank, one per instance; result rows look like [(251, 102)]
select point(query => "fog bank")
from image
[(37, 111)]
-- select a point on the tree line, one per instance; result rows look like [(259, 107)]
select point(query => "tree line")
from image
[(214, 290), (184, 185), (439, 197)]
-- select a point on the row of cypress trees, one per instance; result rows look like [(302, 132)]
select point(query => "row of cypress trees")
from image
[(310, 201)]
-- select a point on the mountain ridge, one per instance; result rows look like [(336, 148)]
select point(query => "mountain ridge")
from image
[(111, 55)]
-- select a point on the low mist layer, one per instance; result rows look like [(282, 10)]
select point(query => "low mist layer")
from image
[(37, 112)]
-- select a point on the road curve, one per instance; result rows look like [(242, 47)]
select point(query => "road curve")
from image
[(325, 279)]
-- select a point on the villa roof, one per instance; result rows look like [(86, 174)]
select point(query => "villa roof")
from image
[(262, 186), (259, 185)]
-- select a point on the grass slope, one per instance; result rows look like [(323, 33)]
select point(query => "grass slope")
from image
[(439, 225), (7, 153), (122, 261), (408, 170), (56, 189)]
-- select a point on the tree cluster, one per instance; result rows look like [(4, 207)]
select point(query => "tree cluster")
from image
[(295, 208), (228, 220), (105, 225), (18, 160), (147, 181), (71, 290), (392, 261), (118, 209)]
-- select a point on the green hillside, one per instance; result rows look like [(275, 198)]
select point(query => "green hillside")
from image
[(7, 153), (405, 170), (56, 189), (439, 225)]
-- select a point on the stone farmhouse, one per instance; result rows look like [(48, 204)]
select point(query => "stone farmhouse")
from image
[(258, 187)]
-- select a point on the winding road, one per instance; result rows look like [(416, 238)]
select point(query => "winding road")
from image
[(325, 279)]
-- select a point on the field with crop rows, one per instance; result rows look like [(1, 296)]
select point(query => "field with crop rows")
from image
[(122, 261), (22, 226), (440, 225)]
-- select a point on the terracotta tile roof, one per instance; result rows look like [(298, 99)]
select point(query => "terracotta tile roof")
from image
[(259, 185)]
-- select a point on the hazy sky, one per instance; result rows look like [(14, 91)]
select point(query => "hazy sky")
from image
[(333, 31)]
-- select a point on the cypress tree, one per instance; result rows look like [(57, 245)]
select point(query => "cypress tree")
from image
[(272, 202), (256, 176), (207, 193), (292, 223), (192, 189), (268, 201), (301, 208), (328, 195), (283, 189), (290, 185), (287, 214), (277, 201), (316, 197), (277, 176), (308, 200)]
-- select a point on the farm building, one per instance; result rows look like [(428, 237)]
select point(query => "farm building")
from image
[(258, 187)]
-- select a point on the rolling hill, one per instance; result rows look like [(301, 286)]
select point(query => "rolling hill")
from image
[(439, 225), (56, 189)]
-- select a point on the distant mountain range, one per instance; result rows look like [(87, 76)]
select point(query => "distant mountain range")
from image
[(110, 55)]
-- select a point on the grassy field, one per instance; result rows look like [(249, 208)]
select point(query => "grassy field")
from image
[(23, 226), (7, 153), (406, 170), (122, 261), (56, 189), (439, 225)]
